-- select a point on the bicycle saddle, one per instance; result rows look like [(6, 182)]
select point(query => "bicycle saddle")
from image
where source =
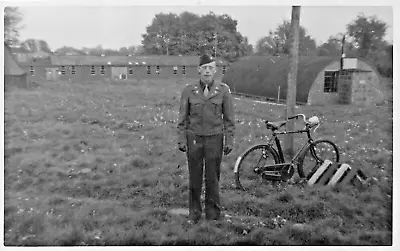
[(275, 125)]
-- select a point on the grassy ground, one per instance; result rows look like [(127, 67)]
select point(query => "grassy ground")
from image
[(96, 164)]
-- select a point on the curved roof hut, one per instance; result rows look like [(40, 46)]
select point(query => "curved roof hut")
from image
[(318, 79)]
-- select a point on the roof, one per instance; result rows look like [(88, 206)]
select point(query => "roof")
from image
[(40, 54), (264, 75), (127, 60), (356, 70), (19, 49), (10, 66)]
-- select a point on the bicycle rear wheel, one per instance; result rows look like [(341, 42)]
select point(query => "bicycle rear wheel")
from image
[(315, 154), (249, 166)]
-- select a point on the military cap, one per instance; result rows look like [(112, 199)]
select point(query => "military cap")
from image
[(205, 59)]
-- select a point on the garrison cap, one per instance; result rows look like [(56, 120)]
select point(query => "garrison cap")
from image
[(205, 59)]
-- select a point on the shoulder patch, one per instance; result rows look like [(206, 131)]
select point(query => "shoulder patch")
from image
[(226, 86), (189, 86)]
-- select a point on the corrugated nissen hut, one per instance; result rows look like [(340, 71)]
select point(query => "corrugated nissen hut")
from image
[(320, 80)]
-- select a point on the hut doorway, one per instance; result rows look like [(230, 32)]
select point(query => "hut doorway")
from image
[(119, 72), (52, 74)]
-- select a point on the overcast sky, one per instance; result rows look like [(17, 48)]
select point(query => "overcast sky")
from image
[(122, 25)]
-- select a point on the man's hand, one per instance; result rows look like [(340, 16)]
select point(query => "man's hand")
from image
[(182, 147), (227, 150)]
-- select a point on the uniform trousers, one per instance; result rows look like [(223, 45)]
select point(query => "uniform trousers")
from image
[(204, 153)]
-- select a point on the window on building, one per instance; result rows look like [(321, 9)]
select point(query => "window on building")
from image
[(62, 70), (223, 69), (131, 70), (158, 69), (93, 70), (183, 70), (331, 81), (73, 70), (175, 70), (148, 69), (32, 71), (102, 70)]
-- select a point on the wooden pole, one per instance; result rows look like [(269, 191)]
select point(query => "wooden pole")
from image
[(292, 78)]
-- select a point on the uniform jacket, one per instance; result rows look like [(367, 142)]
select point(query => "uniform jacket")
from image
[(206, 116)]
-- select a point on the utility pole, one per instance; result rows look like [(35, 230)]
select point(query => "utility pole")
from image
[(292, 78)]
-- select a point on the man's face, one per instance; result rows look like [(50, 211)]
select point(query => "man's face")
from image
[(207, 72)]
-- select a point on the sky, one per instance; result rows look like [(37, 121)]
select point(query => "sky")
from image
[(122, 24)]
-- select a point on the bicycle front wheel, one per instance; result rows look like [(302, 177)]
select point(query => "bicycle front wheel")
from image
[(315, 154), (250, 164)]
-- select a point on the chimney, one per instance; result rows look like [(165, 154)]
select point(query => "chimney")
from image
[(343, 55)]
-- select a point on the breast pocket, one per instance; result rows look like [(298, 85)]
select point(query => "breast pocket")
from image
[(217, 106), (195, 106)]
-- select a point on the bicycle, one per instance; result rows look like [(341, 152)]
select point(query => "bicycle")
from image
[(280, 170)]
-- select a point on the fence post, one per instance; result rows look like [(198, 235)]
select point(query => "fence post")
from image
[(279, 93)]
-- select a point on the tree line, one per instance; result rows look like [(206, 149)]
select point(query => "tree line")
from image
[(191, 34), (363, 37)]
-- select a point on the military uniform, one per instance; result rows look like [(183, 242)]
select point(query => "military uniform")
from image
[(205, 125)]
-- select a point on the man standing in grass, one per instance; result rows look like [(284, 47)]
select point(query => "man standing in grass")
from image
[(205, 132)]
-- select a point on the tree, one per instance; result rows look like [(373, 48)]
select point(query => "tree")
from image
[(34, 45), (12, 18), (132, 50), (190, 34), (367, 34), (267, 46), (278, 41), (123, 51), (96, 51), (44, 46), (67, 50), (331, 48), (138, 50), (367, 39), (159, 33)]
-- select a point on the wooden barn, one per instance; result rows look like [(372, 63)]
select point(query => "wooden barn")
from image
[(86, 68), (320, 80), (14, 76)]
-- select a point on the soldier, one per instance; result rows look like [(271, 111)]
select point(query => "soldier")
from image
[(205, 132)]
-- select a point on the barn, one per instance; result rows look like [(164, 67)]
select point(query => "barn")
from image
[(13, 74), (320, 80), (87, 68)]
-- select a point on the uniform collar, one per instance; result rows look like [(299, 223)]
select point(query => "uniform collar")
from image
[(215, 89), (203, 85)]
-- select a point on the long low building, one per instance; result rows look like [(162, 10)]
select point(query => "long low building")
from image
[(86, 68)]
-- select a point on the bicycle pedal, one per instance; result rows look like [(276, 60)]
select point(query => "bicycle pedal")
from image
[(257, 170), (287, 172)]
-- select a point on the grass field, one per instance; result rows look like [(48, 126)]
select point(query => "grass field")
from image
[(97, 164)]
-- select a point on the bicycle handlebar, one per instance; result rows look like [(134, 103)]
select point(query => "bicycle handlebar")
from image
[(311, 122), (314, 120), (297, 116)]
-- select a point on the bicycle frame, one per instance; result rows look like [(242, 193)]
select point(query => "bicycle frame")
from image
[(279, 146)]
